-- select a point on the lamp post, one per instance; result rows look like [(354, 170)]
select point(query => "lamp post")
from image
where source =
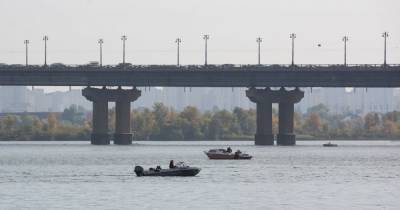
[(123, 38), (178, 42), (206, 38), (45, 39), (293, 36), (26, 42), (101, 51), (345, 40), (259, 40), (385, 35)]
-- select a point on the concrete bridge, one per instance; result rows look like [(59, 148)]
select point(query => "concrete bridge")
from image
[(258, 78)]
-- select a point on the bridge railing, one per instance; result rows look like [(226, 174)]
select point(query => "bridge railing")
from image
[(230, 67)]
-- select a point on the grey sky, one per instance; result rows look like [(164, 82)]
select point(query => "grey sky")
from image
[(74, 26)]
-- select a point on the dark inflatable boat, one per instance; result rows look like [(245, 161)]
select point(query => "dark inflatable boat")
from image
[(179, 170), (329, 144)]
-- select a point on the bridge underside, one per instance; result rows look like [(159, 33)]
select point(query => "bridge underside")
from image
[(205, 76)]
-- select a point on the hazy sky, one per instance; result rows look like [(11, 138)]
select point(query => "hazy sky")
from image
[(74, 26)]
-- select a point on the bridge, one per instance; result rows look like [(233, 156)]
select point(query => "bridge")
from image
[(257, 78), (204, 76)]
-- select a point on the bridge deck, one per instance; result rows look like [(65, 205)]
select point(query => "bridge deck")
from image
[(204, 76)]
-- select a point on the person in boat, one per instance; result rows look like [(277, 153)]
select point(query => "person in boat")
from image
[(171, 164), (228, 150), (237, 153), (158, 168)]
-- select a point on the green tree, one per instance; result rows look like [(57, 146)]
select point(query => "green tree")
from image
[(190, 122), (313, 124), (320, 109), (246, 120), (143, 123), (74, 114), (222, 125), (372, 123), (52, 122)]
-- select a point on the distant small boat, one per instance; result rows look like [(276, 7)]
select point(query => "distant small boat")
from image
[(221, 154), (179, 170), (329, 144)]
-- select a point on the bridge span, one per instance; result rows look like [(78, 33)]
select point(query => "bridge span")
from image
[(258, 78), (204, 76)]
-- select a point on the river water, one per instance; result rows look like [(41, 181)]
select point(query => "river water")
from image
[(75, 175)]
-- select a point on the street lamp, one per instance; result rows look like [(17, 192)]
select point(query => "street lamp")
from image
[(259, 40), (123, 38), (206, 38), (178, 41), (101, 51), (26, 42), (45, 39), (385, 35), (293, 36), (345, 40)]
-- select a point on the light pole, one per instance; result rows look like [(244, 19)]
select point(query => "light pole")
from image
[(101, 51), (26, 42), (345, 40), (123, 38), (259, 40), (206, 38), (45, 39), (178, 42), (293, 36), (385, 35)]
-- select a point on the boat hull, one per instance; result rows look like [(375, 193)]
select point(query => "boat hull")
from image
[(228, 156), (188, 171), (330, 145)]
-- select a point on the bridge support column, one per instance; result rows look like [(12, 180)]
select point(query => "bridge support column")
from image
[(123, 134), (100, 134), (264, 135), (286, 136)]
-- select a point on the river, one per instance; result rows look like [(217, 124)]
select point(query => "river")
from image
[(76, 175)]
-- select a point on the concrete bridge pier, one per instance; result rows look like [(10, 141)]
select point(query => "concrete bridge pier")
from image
[(123, 99), (286, 136), (100, 134), (100, 99), (123, 135), (264, 135), (264, 99)]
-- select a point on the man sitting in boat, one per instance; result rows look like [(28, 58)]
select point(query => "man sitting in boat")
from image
[(171, 164), (228, 150), (237, 153)]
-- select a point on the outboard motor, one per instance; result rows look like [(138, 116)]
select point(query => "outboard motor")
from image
[(139, 170)]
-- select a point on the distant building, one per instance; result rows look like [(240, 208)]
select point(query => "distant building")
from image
[(338, 100)]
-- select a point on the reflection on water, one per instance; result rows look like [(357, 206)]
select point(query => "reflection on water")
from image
[(75, 175)]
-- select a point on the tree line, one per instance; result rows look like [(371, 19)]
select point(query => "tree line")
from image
[(164, 123)]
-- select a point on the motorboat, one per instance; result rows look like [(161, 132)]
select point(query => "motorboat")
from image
[(180, 169), (329, 144), (222, 154)]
